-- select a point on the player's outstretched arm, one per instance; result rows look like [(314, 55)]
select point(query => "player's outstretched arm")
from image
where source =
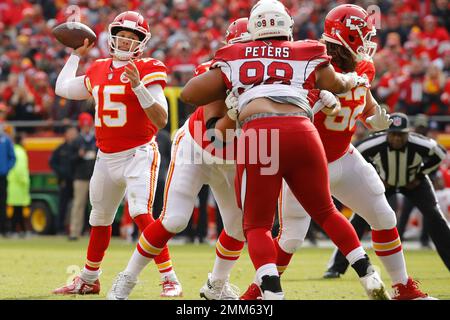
[(154, 103), (204, 89), (374, 117), (68, 85), (328, 79), (151, 98)]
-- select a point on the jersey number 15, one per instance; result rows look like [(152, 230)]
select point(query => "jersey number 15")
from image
[(117, 115)]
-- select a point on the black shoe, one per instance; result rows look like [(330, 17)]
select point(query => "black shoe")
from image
[(271, 283), (331, 274), (73, 238), (271, 288)]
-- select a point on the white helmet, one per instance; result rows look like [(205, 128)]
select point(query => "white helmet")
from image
[(268, 19)]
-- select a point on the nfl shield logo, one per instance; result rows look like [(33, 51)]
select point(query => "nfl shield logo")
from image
[(110, 76), (397, 122)]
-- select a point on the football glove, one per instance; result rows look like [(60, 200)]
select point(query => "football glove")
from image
[(380, 120), (356, 80), (232, 105)]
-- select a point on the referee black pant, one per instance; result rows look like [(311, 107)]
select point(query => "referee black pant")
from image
[(424, 198)]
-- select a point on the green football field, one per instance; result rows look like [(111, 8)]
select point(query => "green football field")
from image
[(31, 268)]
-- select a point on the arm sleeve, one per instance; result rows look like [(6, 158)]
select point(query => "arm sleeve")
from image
[(220, 61), (434, 159), (157, 93), (68, 85)]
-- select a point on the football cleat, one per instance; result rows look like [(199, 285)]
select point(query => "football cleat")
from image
[(218, 290), (410, 291), (171, 288), (331, 274), (122, 287), (374, 286), (269, 295), (253, 293), (79, 286), (271, 288)]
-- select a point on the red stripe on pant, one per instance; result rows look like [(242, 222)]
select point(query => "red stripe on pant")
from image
[(389, 252), (156, 235), (386, 236), (283, 257), (229, 244), (98, 243), (144, 220)]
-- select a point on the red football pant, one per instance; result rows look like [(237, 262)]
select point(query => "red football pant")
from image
[(302, 163)]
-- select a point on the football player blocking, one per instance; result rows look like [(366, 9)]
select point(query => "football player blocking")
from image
[(289, 115), (130, 107), (353, 181)]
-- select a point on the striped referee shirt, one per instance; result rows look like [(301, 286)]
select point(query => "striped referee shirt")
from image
[(420, 156)]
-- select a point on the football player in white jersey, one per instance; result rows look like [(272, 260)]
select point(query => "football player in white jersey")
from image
[(272, 76), (353, 181)]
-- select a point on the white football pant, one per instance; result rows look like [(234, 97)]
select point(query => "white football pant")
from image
[(355, 183), (191, 168), (134, 172)]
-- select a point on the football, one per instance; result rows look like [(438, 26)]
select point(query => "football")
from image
[(72, 34)]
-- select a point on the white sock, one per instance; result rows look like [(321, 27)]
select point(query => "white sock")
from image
[(355, 255), (90, 275), (269, 269), (222, 269), (136, 264), (169, 274), (396, 267)]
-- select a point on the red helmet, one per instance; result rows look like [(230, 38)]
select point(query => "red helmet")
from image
[(351, 26), (237, 31), (129, 21)]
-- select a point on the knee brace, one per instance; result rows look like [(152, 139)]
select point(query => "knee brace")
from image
[(385, 216), (175, 224), (236, 232), (290, 245), (97, 219)]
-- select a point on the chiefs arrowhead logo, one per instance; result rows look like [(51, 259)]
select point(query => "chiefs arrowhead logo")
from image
[(355, 23)]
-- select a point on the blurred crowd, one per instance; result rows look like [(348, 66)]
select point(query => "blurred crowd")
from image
[(412, 61)]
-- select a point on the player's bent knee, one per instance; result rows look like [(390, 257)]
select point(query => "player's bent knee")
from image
[(175, 224), (97, 219), (136, 210), (385, 216), (290, 245), (236, 232)]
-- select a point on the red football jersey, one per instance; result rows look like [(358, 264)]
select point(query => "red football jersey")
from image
[(336, 131), (271, 68), (197, 127), (120, 121)]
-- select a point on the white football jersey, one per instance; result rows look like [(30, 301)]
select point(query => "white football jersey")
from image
[(271, 68)]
